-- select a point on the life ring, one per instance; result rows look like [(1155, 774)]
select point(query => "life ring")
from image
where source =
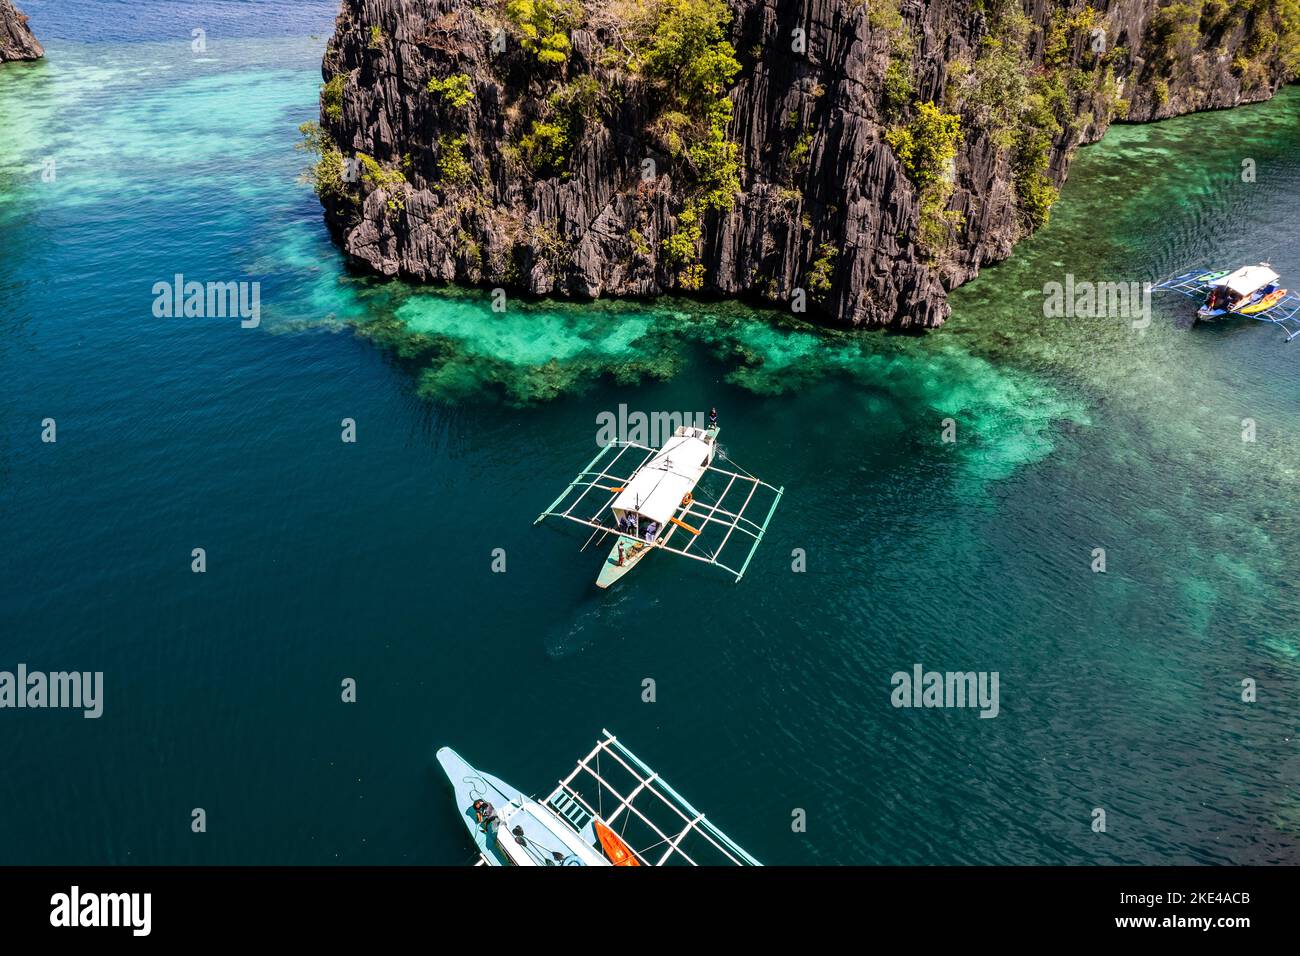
[(686, 500)]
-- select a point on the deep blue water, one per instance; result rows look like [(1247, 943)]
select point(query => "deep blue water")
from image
[(372, 560)]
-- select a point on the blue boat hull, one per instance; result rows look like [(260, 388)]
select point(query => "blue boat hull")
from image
[(469, 785)]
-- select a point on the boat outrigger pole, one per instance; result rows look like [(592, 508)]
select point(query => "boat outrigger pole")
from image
[(761, 531), (573, 484)]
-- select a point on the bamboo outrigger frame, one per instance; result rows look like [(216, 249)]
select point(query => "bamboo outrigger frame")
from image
[(694, 515), (611, 808), (651, 790)]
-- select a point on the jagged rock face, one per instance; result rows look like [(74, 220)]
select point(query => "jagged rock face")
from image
[(818, 178), (16, 40)]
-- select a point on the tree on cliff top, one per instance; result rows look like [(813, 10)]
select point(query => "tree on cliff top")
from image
[(544, 26), (688, 48)]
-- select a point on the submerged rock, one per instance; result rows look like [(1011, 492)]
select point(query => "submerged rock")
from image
[(884, 150), (16, 40)]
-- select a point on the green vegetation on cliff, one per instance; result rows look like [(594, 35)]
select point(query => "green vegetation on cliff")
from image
[(1029, 110), (681, 249), (545, 147), (927, 144), (1273, 40), (1182, 29), (681, 47), (673, 52), (332, 96), (543, 26), (455, 90), (454, 167), (819, 275), (897, 90), (391, 181), (685, 53), (326, 173), (926, 148)]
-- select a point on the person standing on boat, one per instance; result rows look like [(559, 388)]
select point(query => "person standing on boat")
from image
[(713, 418), (650, 530)]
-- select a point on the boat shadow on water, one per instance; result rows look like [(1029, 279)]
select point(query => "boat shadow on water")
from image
[(601, 615)]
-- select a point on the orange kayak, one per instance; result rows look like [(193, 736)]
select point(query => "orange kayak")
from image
[(619, 853)]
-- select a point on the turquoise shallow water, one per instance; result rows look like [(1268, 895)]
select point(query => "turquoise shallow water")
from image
[(372, 561)]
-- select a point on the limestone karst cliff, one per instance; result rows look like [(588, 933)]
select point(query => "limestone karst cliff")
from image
[(16, 40), (864, 156)]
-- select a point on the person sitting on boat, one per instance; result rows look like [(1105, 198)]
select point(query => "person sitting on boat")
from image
[(650, 530), (485, 813)]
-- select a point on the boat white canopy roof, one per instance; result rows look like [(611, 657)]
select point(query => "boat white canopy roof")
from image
[(1248, 279), (658, 487)]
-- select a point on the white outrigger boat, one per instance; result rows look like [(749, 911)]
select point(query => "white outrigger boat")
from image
[(1251, 291), (621, 814), (660, 496)]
